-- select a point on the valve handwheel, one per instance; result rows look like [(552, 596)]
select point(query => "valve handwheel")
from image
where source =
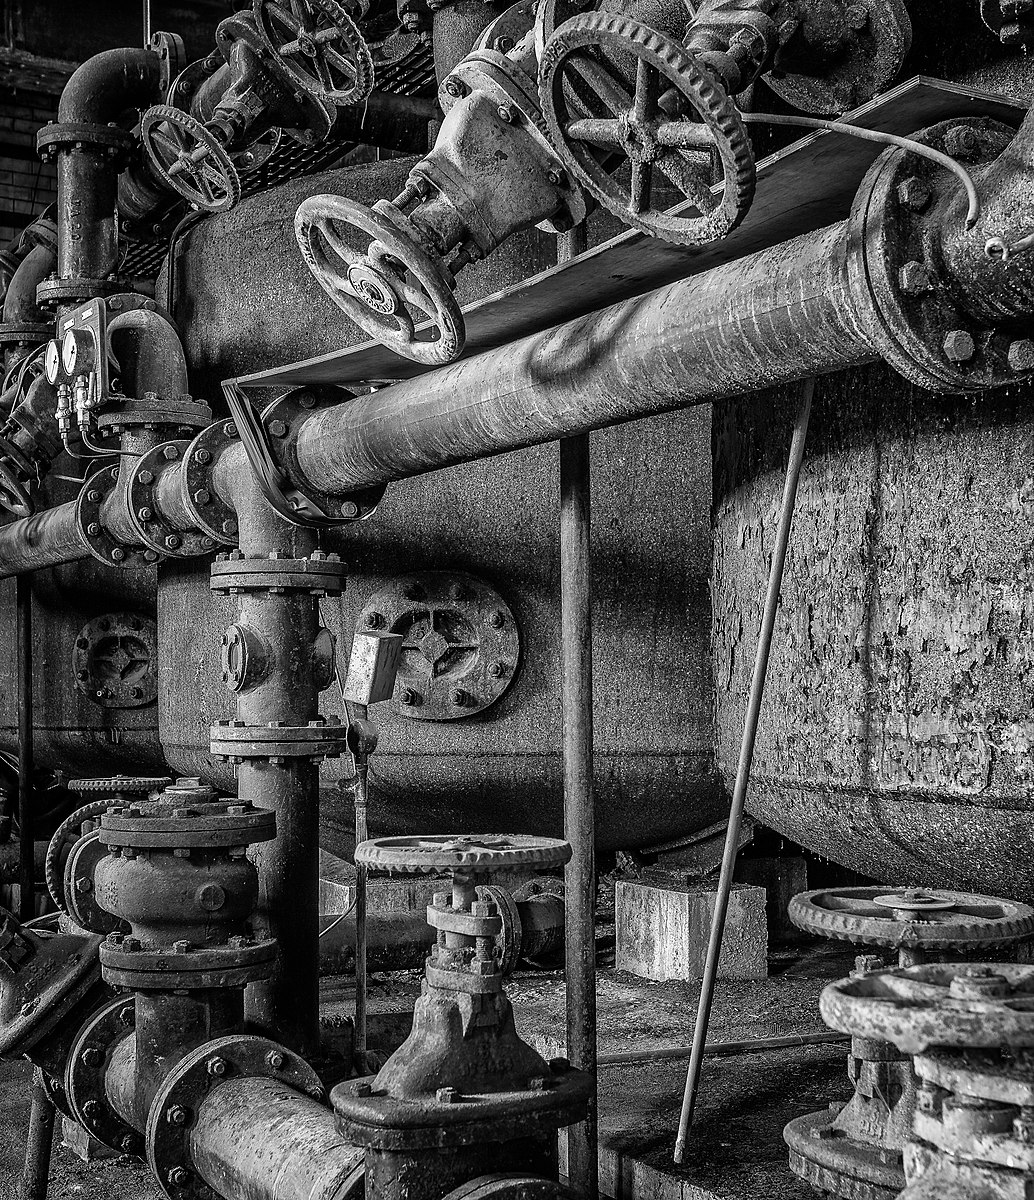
[(190, 158), (463, 852), (589, 131), (14, 496), (386, 285), (928, 919), (320, 45)]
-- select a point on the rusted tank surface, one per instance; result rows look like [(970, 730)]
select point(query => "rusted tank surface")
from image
[(898, 721), (248, 301)]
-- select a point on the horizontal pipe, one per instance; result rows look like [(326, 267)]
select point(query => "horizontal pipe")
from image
[(255, 1139), (723, 1049), (766, 319), (45, 539)]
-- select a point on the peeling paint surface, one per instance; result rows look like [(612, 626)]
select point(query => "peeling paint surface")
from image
[(899, 713)]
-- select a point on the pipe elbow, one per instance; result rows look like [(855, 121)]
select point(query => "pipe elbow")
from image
[(149, 353), (106, 85), (20, 300)]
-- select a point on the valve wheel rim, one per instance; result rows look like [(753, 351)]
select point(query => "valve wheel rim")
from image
[(461, 852), (190, 159), (380, 287), (636, 127), (320, 45), (933, 918)]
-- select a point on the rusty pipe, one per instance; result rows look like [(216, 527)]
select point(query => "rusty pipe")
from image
[(149, 354), (255, 1139), (766, 319), (45, 539)]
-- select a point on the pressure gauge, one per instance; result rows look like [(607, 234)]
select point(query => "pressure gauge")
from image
[(52, 361), (70, 353)]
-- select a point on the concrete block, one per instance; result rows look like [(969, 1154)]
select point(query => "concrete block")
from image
[(662, 931), (82, 1144)]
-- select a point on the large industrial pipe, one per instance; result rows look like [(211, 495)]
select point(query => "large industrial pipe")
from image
[(767, 319), (46, 539)]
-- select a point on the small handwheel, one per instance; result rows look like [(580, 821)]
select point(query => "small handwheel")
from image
[(461, 852), (591, 125), (967, 1005), (320, 45), (14, 496), (190, 158), (385, 285), (915, 917)]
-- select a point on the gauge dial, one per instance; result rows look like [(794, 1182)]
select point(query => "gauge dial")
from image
[(52, 361)]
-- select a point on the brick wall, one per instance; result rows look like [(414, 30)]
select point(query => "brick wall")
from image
[(27, 185)]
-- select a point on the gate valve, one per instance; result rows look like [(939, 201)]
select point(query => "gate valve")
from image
[(491, 173), (970, 1030), (862, 1144), (464, 1082), (320, 45)]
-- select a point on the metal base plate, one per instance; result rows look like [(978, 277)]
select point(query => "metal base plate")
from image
[(831, 1162)]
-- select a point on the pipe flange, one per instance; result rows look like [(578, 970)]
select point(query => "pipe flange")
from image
[(115, 660), (148, 522), (467, 852), (45, 986), (175, 1106), (508, 939), (80, 897), (320, 575), (233, 741), (282, 420), (62, 135), (205, 826), (180, 413), (918, 325), (911, 918), (127, 961), (461, 645), (378, 1119), (211, 513), (171, 52), (25, 333), (315, 117), (51, 293), (836, 1165), (85, 1073), (99, 542), (982, 1006)]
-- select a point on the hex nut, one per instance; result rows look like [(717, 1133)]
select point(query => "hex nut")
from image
[(176, 1115), (959, 346), (914, 278), (914, 193), (1021, 356), (217, 1066)]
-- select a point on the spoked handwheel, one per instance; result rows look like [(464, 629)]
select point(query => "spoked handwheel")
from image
[(14, 495), (677, 121), (390, 286), (320, 45), (190, 158)]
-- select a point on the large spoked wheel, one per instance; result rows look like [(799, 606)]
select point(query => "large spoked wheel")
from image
[(461, 852), (190, 158), (320, 45), (677, 121), (390, 286)]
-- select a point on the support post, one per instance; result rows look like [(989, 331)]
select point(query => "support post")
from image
[(579, 809), (39, 1143), (26, 845)]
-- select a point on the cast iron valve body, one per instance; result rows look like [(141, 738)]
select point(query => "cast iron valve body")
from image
[(464, 1087), (970, 1028), (861, 1145), (491, 173)]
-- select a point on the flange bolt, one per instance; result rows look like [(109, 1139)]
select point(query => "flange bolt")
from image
[(1021, 356), (959, 346)]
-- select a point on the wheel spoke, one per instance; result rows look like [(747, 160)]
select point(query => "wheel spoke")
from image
[(646, 89), (348, 254), (685, 135), (640, 188), (342, 63), (689, 178), (284, 18), (597, 131), (302, 13), (415, 295), (609, 87)]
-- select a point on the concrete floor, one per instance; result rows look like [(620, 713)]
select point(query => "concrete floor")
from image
[(737, 1152)]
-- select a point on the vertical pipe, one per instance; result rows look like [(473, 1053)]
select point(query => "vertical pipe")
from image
[(579, 811), (739, 795), (362, 774), (39, 1143), (26, 861)]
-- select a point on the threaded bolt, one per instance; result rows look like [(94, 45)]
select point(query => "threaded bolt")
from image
[(460, 697), (506, 114), (409, 698), (961, 142), (375, 620), (145, 513), (91, 1057), (178, 1177), (915, 278), (454, 87), (177, 1115), (496, 619), (857, 16), (216, 1066), (914, 193), (446, 1095), (275, 1060), (173, 541)]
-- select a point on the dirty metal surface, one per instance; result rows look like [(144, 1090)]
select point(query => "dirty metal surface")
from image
[(802, 188)]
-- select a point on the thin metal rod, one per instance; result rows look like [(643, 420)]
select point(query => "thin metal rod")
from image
[(739, 795), (26, 857), (147, 22), (39, 1143), (723, 1049), (362, 769)]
